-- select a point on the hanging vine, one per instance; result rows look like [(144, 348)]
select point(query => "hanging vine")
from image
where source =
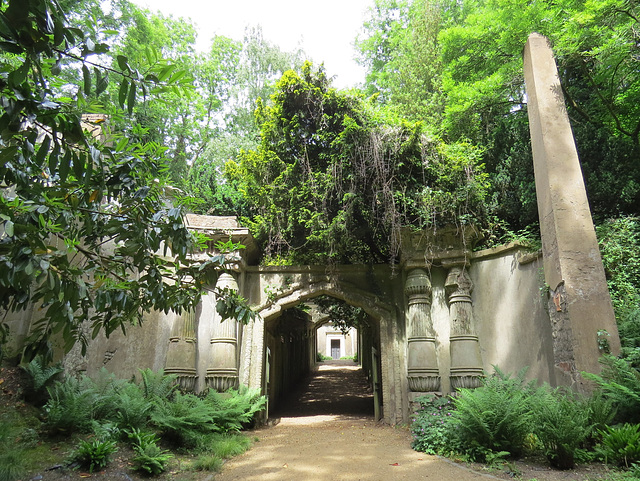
[(336, 178)]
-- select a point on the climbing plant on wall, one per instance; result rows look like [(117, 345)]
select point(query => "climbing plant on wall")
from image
[(337, 178)]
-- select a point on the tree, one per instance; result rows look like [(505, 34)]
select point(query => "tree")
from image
[(91, 231), (336, 179), (472, 53), (234, 76)]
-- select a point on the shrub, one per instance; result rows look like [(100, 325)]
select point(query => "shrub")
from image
[(431, 427), (321, 357), (149, 458), (95, 454), (39, 377), (494, 417), (620, 383), (132, 408), (235, 408), (71, 406), (562, 425), (621, 444)]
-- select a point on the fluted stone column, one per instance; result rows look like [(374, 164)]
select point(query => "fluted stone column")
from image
[(181, 354), (423, 374), (466, 362), (222, 373)]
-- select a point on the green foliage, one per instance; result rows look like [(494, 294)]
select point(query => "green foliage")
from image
[(431, 427), (229, 445), (619, 241), (495, 417), (561, 423), (132, 408), (12, 447), (321, 357), (621, 444), (79, 213), (336, 179), (341, 315), (71, 406), (149, 458), (183, 418), (157, 384), (458, 66), (620, 382), (39, 377), (235, 408), (95, 454), (208, 462)]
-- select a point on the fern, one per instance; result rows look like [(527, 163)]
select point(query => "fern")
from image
[(157, 385), (235, 408), (494, 417), (71, 406), (562, 425), (182, 418), (39, 377), (620, 383), (132, 408), (621, 444)]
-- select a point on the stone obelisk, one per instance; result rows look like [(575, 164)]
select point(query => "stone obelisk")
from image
[(583, 322)]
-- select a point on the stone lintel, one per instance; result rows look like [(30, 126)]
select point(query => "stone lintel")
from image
[(571, 256)]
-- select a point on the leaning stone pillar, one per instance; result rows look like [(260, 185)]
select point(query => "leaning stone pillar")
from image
[(423, 374), (580, 303), (181, 355), (466, 362), (223, 371)]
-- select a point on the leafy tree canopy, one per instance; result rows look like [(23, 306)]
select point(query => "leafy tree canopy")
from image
[(92, 234), (336, 178)]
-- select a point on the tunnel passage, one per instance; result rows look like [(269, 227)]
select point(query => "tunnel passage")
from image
[(296, 383)]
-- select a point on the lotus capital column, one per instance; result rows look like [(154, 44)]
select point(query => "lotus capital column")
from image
[(466, 362), (223, 371), (423, 374)]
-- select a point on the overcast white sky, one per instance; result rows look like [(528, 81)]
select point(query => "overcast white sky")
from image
[(326, 29)]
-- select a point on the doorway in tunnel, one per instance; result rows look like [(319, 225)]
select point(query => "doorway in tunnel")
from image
[(301, 381)]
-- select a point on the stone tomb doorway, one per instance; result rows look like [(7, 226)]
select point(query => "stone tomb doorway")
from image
[(296, 380)]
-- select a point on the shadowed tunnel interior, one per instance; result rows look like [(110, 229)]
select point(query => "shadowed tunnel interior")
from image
[(336, 387)]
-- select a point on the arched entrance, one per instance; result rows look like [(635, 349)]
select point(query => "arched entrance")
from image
[(290, 347)]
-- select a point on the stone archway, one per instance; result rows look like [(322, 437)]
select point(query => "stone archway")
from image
[(302, 284)]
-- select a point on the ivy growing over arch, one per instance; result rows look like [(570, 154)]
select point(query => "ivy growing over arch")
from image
[(336, 177)]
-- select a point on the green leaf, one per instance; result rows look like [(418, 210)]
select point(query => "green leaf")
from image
[(123, 63), (102, 81), (53, 158), (131, 99), (78, 165), (65, 166), (8, 228), (43, 151), (86, 76), (122, 94)]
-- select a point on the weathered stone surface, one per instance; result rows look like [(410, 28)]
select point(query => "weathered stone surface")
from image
[(572, 264), (422, 371)]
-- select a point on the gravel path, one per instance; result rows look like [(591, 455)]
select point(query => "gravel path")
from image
[(325, 431)]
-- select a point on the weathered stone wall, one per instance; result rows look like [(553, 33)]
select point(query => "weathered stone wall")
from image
[(502, 312)]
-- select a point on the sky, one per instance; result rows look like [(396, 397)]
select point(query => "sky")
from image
[(324, 29)]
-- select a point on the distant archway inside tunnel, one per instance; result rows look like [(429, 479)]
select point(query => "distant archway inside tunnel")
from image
[(296, 381)]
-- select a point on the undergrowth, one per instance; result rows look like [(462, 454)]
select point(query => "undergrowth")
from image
[(100, 415), (507, 418)]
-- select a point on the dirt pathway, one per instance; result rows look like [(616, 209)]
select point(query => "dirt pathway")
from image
[(326, 432)]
